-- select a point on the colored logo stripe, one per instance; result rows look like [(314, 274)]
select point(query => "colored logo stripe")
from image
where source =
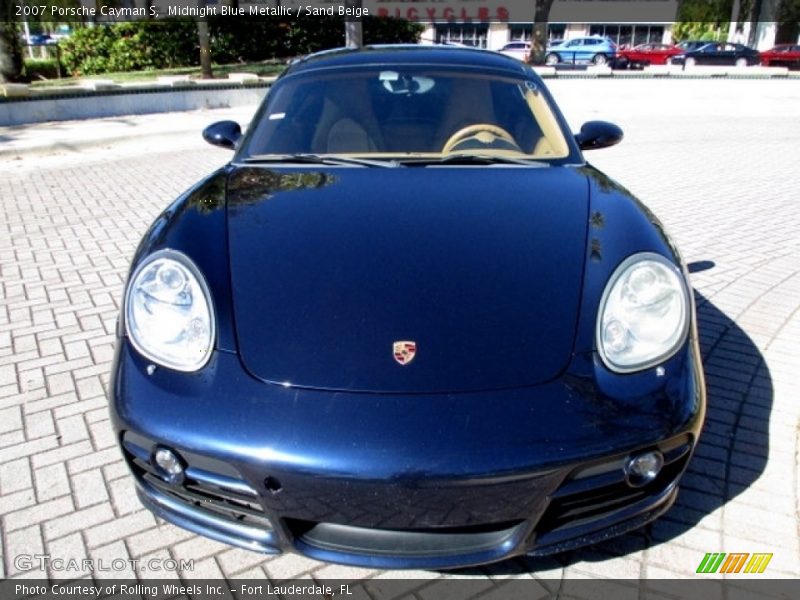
[(734, 563), (716, 561), (758, 563), (711, 562)]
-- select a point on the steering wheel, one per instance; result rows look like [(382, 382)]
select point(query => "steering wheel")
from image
[(484, 133)]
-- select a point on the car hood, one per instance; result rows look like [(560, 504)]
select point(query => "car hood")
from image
[(481, 268)]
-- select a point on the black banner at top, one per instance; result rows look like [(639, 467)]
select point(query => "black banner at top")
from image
[(425, 11)]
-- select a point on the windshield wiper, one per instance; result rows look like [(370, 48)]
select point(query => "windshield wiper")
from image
[(320, 159), (474, 159)]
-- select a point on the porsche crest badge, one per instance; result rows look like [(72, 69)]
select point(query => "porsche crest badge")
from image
[(404, 351)]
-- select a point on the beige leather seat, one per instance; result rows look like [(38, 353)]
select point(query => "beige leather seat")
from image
[(347, 122), (345, 135)]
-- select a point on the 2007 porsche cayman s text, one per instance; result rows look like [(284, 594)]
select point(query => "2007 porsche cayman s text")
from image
[(408, 326)]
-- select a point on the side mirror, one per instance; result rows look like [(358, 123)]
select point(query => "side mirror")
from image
[(223, 133), (598, 134)]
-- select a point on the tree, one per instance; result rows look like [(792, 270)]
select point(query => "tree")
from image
[(541, 13), (788, 22), (10, 49), (204, 38), (352, 26), (705, 19)]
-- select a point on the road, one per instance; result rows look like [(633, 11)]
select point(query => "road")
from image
[(716, 160)]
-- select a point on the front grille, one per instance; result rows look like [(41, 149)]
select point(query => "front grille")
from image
[(600, 492), (208, 485), (429, 542)]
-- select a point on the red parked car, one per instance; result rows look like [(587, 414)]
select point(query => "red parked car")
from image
[(645, 54), (782, 55)]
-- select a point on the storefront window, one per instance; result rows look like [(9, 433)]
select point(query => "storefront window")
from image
[(627, 35), (469, 35), (521, 32)]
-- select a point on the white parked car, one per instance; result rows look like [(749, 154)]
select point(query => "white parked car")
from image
[(519, 50)]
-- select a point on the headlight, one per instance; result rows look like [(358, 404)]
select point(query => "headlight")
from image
[(168, 312), (644, 314)]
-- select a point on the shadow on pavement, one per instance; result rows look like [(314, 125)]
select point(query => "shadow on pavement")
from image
[(731, 455)]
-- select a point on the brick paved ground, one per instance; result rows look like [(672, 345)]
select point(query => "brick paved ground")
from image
[(716, 160)]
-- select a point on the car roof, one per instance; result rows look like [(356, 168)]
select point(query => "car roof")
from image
[(399, 54)]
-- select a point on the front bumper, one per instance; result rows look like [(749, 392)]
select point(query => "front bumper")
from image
[(406, 481)]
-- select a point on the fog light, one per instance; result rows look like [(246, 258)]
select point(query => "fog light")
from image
[(168, 463), (644, 468)]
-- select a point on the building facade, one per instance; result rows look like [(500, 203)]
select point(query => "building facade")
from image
[(495, 35)]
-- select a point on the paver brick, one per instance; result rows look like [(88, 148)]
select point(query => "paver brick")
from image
[(51, 482), (207, 569), (39, 513), (103, 435), (70, 553), (39, 424), (61, 454), (31, 448), (119, 528), (27, 542), (93, 459), (10, 419), (89, 488), (161, 536), (16, 500), (236, 560), (289, 566), (198, 548), (153, 566), (7, 375), (78, 520), (123, 496), (12, 439), (115, 561), (72, 429), (15, 475)]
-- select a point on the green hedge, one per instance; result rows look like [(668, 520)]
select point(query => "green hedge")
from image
[(41, 68), (143, 45)]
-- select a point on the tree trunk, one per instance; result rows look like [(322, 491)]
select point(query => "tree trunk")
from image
[(733, 29), (353, 37), (541, 14), (788, 27), (10, 51), (204, 38), (755, 17)]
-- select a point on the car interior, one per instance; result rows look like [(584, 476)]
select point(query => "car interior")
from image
[(389, 111)]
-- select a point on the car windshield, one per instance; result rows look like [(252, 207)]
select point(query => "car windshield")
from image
[(405, 112)]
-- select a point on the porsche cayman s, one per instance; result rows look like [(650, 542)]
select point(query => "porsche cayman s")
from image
[(407, 325)]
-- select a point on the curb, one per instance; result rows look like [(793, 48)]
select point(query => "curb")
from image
[(165, 130), (54, 148)]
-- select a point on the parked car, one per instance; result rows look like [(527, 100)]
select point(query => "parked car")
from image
[(718, 53), (408, 326), (644, 55), (592, 49), (689, 45), (40, 39), (518, 50), (782, 55)]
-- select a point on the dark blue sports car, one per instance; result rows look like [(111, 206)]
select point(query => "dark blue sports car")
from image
[(408, 326)]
